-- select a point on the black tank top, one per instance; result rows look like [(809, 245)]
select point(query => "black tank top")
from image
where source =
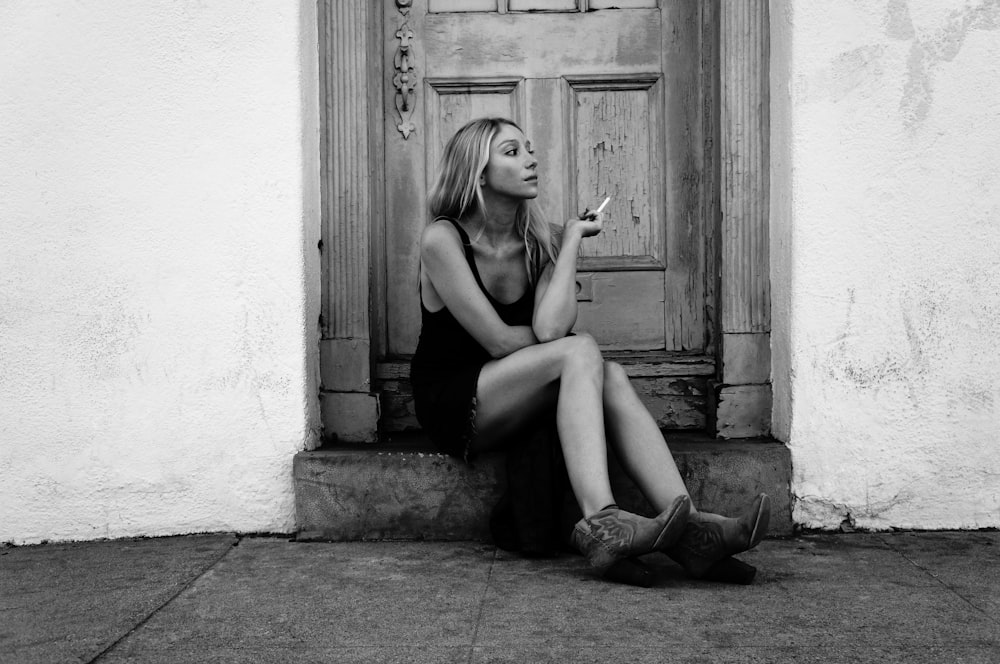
[(445, 345)]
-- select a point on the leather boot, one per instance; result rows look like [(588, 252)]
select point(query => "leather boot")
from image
[(614, 534), (709, 538)]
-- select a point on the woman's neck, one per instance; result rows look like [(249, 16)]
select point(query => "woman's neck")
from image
[(494, 226)]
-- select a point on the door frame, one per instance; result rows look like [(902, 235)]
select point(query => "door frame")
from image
[(734, 56)]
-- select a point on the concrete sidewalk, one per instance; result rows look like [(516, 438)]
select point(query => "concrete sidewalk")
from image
[(902, 597)]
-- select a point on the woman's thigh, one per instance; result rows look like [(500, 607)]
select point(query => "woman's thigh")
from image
[(517, 390)]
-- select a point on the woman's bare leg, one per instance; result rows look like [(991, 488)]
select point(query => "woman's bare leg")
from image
[(567, 373), (638, 442), (708, 538)]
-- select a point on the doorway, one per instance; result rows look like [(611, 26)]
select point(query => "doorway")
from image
[(621, 98)]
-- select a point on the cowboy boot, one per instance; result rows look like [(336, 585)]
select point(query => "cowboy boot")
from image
[(613, 534), (709, 538)]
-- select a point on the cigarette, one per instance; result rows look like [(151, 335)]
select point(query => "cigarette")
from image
[(601, 208)]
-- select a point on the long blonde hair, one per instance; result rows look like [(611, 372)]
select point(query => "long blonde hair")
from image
[(457, 193)]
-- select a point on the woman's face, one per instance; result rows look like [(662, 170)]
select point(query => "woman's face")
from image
[(511, 170)]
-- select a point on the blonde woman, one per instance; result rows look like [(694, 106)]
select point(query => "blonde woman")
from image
[(496, 353)]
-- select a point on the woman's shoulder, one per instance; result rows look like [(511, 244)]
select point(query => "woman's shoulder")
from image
[(441, 232)]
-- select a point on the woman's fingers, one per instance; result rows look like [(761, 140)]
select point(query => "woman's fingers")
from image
[(588, 226)]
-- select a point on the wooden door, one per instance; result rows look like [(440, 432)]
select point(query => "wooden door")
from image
[(611, 99)]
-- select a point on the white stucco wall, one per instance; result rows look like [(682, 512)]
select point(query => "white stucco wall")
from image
[(886, 259), (158, 265)]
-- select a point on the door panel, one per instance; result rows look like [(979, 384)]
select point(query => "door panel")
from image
[(450, 103), (625, 310), (542, 45), (614, 128), (590, 89)]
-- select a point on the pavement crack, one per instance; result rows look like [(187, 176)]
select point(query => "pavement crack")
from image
[(482, 607), (225, 552), (940, 582)]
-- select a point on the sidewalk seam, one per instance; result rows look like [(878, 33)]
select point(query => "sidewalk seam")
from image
[(169, 600), (940, 582), (482, 606)]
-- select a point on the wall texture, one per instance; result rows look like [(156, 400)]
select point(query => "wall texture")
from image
[(886, 259), (158, 265), (159, 275)]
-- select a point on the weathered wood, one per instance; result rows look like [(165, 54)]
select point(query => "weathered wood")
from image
[(543, 45), (746, 358), (679, 41), (445, 6), (621, 4), (625, 311), (398, 411), (619, 264), (345, 365), (709, 178), (675, 403), (607, 114), (615, 125), (655, 364), (637, 365), (347, 165), (544, 124), (744, 411), (350, 82), (745, 160), (399, 370), (406, 177), (542, 5), (745, 316), (350, 417), (688, 233), (378, 230)]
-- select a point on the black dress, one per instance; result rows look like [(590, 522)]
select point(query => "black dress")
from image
[(445, 369)]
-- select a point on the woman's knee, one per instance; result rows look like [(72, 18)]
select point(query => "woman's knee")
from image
[(616, 381), (582, 350), (615, 374)]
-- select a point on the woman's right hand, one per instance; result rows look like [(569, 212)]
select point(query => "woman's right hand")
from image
[(588, 224)]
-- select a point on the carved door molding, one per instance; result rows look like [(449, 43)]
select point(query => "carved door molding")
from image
[(743, 391)]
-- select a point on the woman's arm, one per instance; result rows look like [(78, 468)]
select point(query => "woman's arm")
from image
[(555, 294), (442, 259)]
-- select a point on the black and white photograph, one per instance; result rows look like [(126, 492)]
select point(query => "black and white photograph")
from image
[(500, 331)]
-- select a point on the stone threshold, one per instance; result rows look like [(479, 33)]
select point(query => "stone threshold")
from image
[(401, 489)]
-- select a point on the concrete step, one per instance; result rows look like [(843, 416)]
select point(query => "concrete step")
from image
[(402, 490)]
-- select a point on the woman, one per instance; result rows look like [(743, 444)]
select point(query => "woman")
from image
[(498, 303)]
